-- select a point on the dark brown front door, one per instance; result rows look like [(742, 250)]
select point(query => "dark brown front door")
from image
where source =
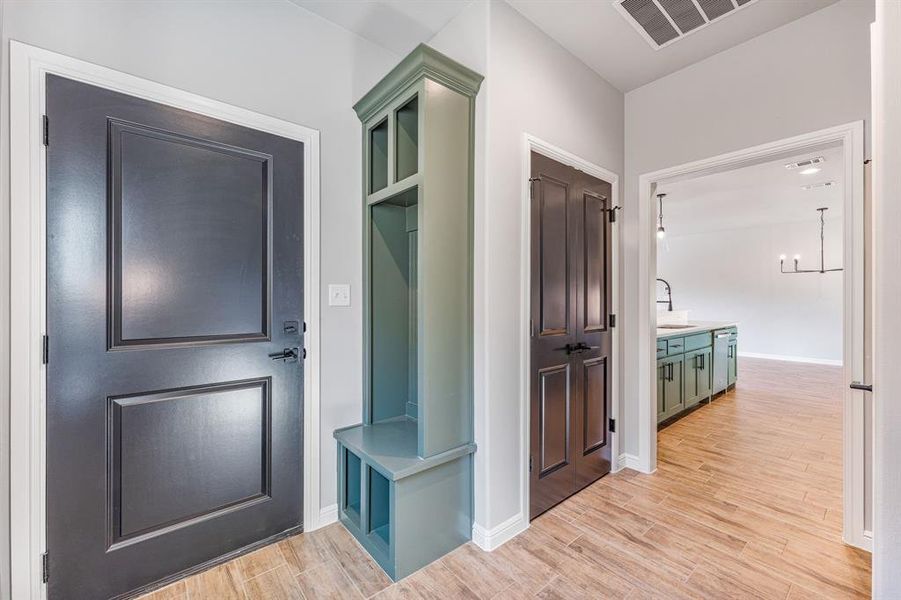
[(174, 270), (571, 340)]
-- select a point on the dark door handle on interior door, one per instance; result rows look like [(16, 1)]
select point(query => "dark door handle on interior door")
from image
[(578, 347), (286, 355)]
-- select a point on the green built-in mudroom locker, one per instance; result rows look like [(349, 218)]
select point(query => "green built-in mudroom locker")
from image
[(405, 473)]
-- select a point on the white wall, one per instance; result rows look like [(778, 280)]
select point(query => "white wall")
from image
[(887, 290), (810, 74), (465, 39), (733, 275), (533, 86), (270, 57), (4, 320)]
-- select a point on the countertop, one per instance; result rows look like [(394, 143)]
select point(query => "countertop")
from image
[(694, 327)]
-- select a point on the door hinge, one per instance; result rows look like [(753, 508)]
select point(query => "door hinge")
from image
[(45, 567), (45, 349), (612, 213), (530, 463), (532, 187), (46, 130), (612, 425), (612, 320)]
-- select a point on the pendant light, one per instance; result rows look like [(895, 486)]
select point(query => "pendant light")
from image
[(797, 257), (661, 232)]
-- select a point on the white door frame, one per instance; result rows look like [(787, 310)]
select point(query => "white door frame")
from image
[(534, 144), (850, 136), (28, 69)]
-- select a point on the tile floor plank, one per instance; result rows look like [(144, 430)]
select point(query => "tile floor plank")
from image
[(746, 503)]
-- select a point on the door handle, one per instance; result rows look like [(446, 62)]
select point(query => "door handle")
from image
[(286, 355), (571, 348), (865, 387), (578, 347)]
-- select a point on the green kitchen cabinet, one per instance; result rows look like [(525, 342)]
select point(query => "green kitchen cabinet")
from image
[(405, 472), (671, 392), (661, 387), (698, 376), (687, 368), (661, 348)]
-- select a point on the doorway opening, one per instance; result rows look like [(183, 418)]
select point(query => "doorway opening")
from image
[(755, 289)]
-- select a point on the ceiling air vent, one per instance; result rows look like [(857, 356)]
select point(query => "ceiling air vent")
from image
[(807, 162), (816, 186), (662, 22)]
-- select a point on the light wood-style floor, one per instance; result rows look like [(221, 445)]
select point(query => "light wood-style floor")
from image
[(746, 503)]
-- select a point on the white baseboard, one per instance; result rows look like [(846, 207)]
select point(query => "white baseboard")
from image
[(798, 359), (491, 539), (327, 516), (630, 461)]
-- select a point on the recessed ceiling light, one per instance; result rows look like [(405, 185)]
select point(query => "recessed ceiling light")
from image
[(810, 171)]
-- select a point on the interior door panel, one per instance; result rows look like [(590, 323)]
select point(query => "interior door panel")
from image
[(571, 284), (174, 257)]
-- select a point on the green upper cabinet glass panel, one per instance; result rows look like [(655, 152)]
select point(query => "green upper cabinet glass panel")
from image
[(406, 141), (378, 157)]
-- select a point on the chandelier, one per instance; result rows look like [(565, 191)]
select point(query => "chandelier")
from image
[(797, 257)]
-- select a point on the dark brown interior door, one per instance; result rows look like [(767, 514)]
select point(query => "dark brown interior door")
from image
[(174, 271), (571, 341)]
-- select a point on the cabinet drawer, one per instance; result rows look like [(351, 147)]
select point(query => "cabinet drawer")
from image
[(699, 340), (661, 348), (675, 346)]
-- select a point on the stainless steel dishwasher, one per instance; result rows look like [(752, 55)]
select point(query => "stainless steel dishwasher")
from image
[(720, 360)]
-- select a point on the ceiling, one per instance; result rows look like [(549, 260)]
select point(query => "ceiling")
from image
[(398, 25), (762, 194), (593, 30), (598, 35)]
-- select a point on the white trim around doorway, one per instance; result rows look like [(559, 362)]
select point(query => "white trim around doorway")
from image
[(534, 144), (850, 137), (28, 69)]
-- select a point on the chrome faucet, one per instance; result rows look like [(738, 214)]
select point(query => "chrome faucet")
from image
[(669, 293)]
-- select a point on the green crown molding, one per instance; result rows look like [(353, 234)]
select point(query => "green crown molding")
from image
[(423, 61)]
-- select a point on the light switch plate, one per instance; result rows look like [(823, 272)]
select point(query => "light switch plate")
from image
[(339, 294)]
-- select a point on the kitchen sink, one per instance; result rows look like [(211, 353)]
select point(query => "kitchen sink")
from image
[(673, 326)]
